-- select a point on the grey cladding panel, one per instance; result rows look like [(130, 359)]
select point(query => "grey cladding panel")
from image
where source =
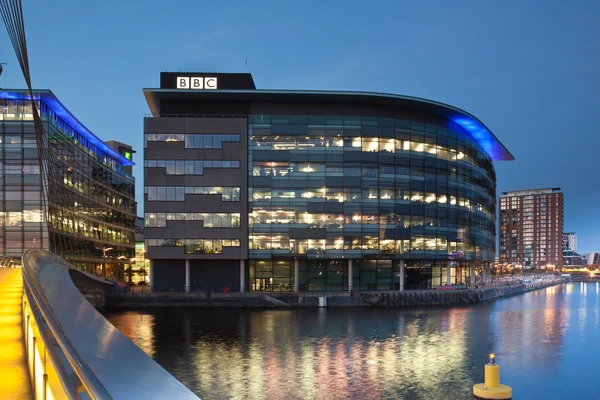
[(307, 233), (211, 177)]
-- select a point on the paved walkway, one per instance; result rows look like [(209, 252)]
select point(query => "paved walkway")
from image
[(14, 379)]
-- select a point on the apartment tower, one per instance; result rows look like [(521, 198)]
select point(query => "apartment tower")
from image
[(531, 228)]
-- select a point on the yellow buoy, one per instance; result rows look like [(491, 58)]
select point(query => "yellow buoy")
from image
[(492, 389)]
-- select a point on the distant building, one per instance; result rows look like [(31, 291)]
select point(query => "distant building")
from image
[(126, 151), (591, 259), (90, 194), (569, 241), (531, 228), (572, 259)]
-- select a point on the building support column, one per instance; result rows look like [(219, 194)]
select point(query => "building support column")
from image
[(350, 276), (473, 276), (401, 275), (152, 283), (449, 273), (296, 276), (187, 276), (242, 276)]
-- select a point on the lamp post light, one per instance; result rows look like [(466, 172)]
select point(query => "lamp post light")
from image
[(104, 251), (130, 271)]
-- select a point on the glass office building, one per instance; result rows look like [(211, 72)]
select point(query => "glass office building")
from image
[(338, 190), (90, 198)]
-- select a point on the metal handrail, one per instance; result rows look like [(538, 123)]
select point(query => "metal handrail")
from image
[(91, 383), (55, 352), (96, 355)]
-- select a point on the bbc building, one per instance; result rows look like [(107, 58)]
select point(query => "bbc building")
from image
[(293, 190), (90, 198)]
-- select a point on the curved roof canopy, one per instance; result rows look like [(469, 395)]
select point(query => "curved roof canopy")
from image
[(470, 123), (59, 109)]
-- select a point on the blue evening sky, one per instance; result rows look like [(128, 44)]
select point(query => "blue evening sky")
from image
[(530, 70)]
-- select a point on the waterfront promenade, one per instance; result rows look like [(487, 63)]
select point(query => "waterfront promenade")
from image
[(411, 298), (14, 379)]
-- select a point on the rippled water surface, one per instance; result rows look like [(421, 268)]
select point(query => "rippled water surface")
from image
[(547, 341)]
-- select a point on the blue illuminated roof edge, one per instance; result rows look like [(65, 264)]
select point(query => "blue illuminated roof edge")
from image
[(59, 109), (486, 139)]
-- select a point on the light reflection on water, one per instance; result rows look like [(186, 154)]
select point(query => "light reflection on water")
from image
[(543, 340)]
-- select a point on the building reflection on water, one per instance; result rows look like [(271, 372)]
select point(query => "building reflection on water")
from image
[(362, 353), (531, 330), (138, 327)]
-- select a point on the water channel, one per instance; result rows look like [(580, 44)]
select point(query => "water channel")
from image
[(547, 341)]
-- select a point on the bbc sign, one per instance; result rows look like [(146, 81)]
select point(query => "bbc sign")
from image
[(196, 82)]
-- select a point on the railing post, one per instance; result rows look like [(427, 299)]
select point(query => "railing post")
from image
[(27, 336), (24, 312), (33, 367), (45, 386), (45, 376)]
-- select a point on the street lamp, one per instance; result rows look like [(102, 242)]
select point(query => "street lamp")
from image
[(104, 251), (131, 262)]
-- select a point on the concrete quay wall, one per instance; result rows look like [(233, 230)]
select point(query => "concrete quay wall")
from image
[(437, 298), (417, 298), (585, 278)]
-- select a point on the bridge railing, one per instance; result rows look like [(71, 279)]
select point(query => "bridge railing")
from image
[(72, 351)]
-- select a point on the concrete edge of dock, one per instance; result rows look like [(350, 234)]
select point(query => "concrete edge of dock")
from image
[(399, 299)]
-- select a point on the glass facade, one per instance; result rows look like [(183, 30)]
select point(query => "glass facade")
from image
[(193, 141), (190, 167), (140, 269), (328, 189), (160, 193), (21, 210), (90, 202), (195, 246)]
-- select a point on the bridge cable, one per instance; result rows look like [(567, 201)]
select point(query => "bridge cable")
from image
[(56, 204)]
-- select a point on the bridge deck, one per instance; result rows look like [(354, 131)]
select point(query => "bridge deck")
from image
[(14, 379)]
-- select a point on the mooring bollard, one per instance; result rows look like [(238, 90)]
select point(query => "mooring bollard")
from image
[(492, 389)]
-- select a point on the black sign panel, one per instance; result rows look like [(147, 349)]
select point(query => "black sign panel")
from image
[(205, 81)]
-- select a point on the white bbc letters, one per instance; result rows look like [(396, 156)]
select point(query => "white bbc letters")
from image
[(183, 82), (196, 82), (210, 83)]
